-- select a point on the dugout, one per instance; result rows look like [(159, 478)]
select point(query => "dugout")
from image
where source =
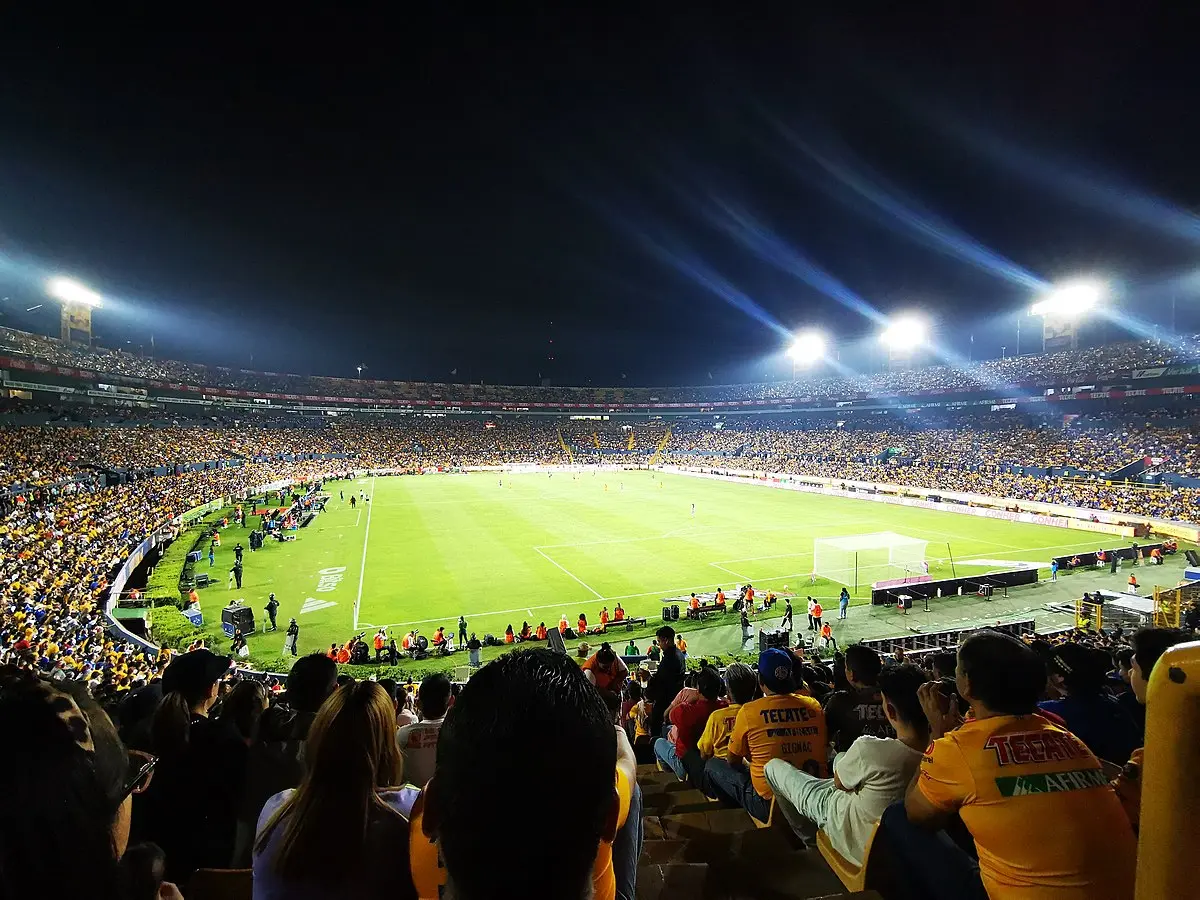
[(951, 587)]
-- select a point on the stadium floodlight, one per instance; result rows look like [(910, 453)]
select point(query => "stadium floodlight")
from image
[(1070, 300), (905, 333), (808, 348), (70, 291)]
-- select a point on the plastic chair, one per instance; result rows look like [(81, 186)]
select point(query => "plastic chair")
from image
[(853, 878)]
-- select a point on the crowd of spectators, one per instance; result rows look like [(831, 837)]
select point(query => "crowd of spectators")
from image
[(1008, 768), (971, 454), (1047, 368)]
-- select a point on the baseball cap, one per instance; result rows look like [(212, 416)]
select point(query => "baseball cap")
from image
[(776, 670), (192, 673)]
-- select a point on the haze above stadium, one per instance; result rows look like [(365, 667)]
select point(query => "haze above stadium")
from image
[(665, 199)]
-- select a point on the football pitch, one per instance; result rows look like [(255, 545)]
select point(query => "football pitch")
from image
[(506, 548)]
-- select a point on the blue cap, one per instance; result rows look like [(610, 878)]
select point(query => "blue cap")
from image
[(776, 670)]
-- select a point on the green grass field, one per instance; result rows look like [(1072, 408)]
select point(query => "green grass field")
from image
[(428, 548)]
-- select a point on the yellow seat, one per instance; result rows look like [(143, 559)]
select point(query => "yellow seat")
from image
[(770, 817), (853, 878)]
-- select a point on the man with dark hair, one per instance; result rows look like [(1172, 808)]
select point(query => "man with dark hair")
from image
[(783, 724), (943, 664), (1035, 800), (859, 710), (1149, 644), (868, 777), (688, 720), (530, 718), (667, 680), (275, 761), (419, 742)]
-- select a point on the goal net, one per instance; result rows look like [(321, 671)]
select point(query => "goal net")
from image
[(864, 558)]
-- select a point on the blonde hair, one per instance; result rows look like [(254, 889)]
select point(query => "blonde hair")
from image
[(351, 755)]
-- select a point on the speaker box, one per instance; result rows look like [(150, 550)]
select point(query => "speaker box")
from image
[(666, 614), (769, 639), (237, 616), (674, 613), (1193, 558)]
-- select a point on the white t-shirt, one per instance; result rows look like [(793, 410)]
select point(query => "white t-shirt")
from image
[(876, 772), (418, 743)]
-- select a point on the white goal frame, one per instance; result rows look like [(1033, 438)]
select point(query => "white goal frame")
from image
[(858, 558)]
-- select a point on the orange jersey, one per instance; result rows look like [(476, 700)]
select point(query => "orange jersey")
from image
[(1044, 818), (780, 726)]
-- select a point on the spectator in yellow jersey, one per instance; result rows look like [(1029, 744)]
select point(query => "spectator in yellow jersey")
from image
[(782, 725), (1044, 819)]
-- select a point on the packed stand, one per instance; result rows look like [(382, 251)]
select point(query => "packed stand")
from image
[(1066, 365)]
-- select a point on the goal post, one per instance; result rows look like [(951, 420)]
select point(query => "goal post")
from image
[(864, 558)]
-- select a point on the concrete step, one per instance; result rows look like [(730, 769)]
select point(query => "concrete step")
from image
[(671, 882), (676, 802), (796, 875), (702, 824)]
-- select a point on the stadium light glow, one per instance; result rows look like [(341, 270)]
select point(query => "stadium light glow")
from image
[(1069, 300), (807, 348), (68, 290), (905, 333)]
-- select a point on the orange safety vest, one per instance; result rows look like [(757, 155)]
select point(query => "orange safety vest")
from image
[(378, 642)]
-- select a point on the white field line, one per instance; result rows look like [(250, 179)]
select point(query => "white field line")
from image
[(738, 575), (358, 517), (362, 571), (568, 572)]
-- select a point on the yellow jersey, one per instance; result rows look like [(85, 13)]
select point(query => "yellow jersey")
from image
[(1045, 820), (715, 739), (780, 726)]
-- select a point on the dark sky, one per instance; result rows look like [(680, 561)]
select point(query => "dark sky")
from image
[(655, 193)]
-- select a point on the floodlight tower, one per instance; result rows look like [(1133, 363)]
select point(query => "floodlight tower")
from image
[(808, 349), (1062, 309), (904, 336), (77, 305)]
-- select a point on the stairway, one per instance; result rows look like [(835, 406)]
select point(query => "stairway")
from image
[(566, 448), (696, 848), (662, 445)]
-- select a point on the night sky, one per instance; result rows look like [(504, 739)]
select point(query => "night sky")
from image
[(664, 197)]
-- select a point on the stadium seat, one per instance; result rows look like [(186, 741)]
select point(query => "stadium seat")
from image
[(221, 884), (852, 876), (770, 818)]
